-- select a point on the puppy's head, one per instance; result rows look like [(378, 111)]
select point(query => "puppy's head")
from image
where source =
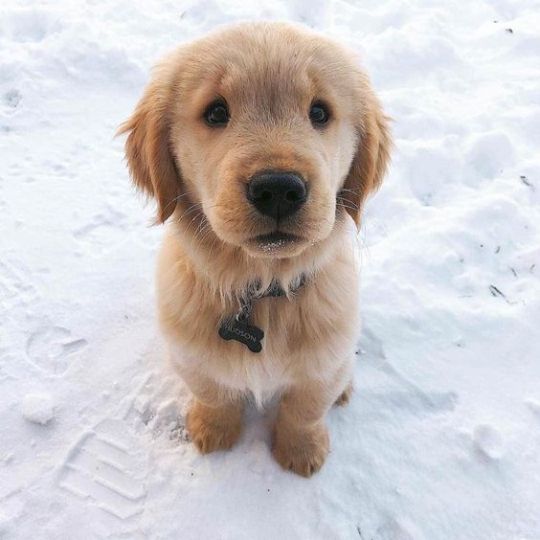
[(267, 132)]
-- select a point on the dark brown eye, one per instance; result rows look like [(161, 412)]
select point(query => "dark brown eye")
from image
[(319, 114), (217, 114)]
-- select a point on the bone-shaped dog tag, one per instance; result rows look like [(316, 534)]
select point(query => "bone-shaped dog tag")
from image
[(242, 332)]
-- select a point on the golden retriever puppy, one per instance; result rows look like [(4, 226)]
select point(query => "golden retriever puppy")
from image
[(260, 143)]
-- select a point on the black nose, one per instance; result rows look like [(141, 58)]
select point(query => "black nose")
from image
[(277, 194)]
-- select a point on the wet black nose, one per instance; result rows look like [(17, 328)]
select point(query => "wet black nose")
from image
[(277, 194)]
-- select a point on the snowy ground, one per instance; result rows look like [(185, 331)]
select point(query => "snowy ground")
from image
[(442, 438)]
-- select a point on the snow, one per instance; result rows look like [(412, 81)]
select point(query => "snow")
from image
[(38, 408), (441, 437)]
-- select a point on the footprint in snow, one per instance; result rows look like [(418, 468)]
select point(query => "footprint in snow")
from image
[(103, 229), (155, 412), (107, 466), (16, 283), (50, 347)]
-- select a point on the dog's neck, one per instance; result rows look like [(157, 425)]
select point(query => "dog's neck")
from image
[(214, 259), (254, 291)]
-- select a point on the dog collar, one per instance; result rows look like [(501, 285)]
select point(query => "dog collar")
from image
[(237, 326)]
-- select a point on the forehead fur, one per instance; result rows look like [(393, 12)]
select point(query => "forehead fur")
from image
[(255, 62)]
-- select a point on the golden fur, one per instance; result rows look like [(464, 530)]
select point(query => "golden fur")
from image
[(269, 74)]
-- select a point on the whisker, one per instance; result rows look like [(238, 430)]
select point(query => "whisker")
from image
[(176, 199), (354, 208), (354, 191)]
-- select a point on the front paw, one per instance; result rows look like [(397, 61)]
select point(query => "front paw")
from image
[(300, 451), (212, 428), (345, 396)]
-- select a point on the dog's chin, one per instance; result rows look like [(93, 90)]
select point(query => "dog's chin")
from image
[(276, 245), (272, 245)]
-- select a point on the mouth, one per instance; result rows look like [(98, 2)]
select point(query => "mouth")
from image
[(275, 241)]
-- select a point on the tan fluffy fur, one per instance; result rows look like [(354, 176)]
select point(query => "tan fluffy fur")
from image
[(269, 74)]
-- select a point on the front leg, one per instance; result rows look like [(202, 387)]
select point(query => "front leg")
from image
[(214, 421), (300, 441)]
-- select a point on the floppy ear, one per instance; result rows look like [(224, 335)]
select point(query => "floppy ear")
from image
[(370, 161), (148, 147)]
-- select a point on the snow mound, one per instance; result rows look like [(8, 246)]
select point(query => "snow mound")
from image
[(38, 408)]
